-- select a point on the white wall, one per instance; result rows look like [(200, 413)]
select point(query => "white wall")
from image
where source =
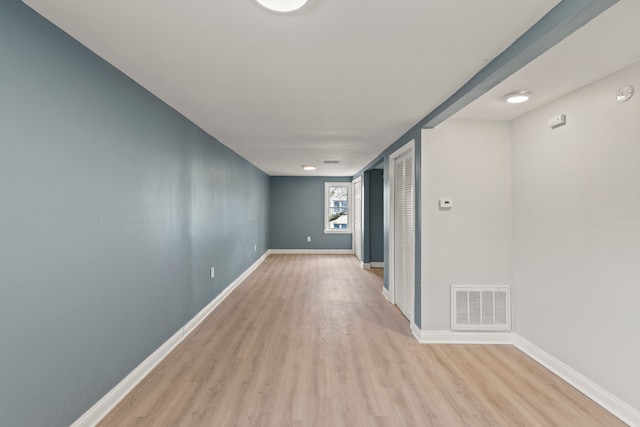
[(469, 161), (577, 233)]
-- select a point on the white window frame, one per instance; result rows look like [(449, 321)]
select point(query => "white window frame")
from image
[(326, 208)]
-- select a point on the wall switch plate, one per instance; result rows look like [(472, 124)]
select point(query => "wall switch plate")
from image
[(213, 272), (445, 203), (255, 248), (308, 238)]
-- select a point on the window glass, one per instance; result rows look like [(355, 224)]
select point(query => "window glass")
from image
[(337, 207)]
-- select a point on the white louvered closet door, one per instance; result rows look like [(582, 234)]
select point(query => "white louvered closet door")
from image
[(404, 232)]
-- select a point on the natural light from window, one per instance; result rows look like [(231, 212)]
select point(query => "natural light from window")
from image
[(336, 207)]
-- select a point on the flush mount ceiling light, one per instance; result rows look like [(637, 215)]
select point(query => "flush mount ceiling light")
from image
[(518, 97), (282, 5), (309, 167)]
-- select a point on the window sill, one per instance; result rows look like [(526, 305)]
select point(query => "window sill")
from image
[(337, 231)]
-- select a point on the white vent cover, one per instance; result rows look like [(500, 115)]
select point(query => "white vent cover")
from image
[(480, 308)]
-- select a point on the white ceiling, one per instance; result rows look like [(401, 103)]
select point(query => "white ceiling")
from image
[(610, 42), (337, 80)]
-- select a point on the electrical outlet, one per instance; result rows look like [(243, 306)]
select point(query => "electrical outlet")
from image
[(213, 272), (308, 238)]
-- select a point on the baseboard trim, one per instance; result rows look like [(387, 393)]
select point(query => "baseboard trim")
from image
[(415, 330), (100, 409), (386, 294), (602, 397), (208, 309), (370, 265), (449, 337), (97, 412), (611, 403), (593, 391), (311, 251)]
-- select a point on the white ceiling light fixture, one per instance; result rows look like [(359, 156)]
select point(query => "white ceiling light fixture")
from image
[(282, 5), (309, 167), (518, 97)]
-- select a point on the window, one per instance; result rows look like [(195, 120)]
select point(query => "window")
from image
[(336, 207)]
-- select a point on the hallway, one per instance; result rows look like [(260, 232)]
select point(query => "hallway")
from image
[(309, 340)]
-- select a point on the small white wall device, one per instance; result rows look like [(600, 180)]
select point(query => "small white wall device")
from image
[(446, 203), (556, 121), (624, 93)]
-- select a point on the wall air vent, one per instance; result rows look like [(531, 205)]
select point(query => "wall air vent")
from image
[(480, 308)]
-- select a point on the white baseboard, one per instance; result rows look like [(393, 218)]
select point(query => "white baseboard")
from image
[(385, 293), (369, 265), (602, 397), (415, 330), (206, 311), (311, 251), (451, 337), (617, 407), (97, 412)]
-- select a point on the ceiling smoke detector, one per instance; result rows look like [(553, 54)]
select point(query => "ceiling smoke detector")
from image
[(624, 93)]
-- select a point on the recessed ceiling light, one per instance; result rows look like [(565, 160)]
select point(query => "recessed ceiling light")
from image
[(282, 5), (309, 167), (518, 97)]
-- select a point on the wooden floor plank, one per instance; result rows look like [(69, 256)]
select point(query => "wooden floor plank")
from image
[(309, 340)]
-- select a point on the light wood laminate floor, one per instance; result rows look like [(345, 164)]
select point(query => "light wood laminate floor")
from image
[(309, 340)]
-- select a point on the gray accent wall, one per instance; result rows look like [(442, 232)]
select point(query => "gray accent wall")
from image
[(114, 207), (296, 210), (376, 215), (383, 158)]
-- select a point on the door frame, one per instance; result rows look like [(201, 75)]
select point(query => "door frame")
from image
[(409, 147), (360, 220)]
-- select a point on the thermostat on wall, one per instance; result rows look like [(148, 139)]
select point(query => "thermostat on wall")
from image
[(446, 203)]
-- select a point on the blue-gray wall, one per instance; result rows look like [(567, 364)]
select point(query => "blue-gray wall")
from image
[(296, 210), (412, 134), (113, 208), (376, 215)]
